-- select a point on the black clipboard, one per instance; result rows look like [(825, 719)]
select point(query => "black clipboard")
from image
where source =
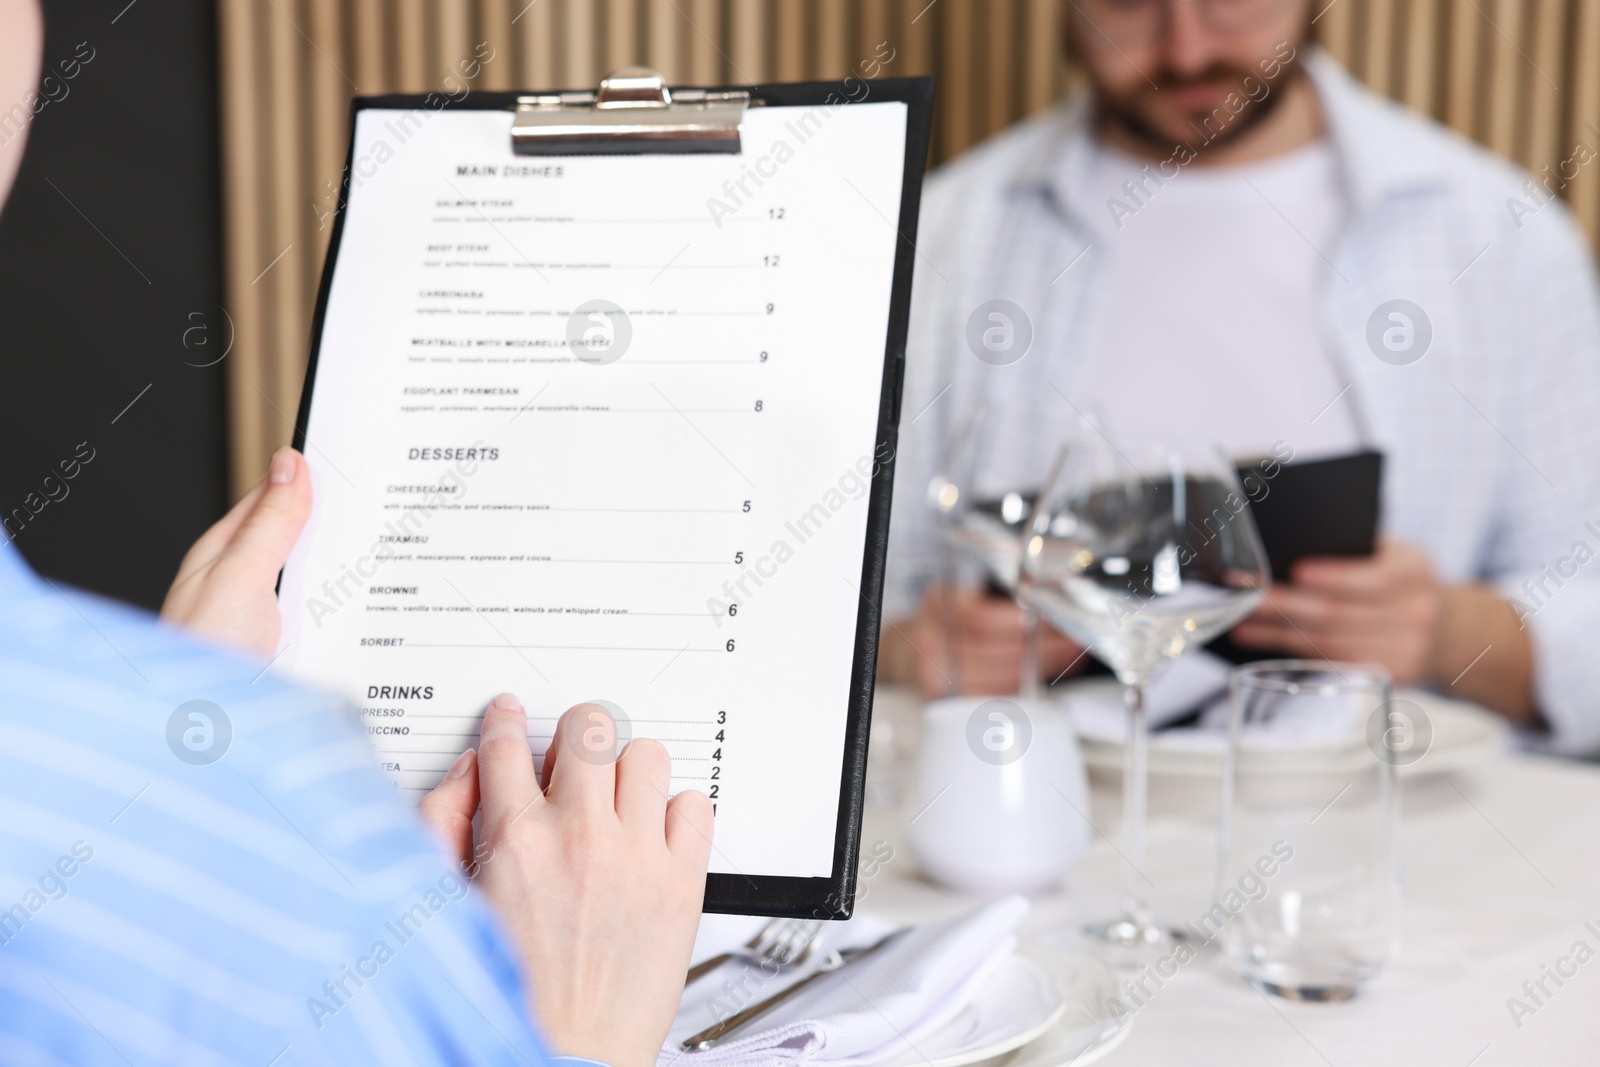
[(634, 112)]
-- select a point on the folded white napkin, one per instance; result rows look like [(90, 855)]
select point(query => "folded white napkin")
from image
[(872, 1010), (1199, 679), (1175, 690)]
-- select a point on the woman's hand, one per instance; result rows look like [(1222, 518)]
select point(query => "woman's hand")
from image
[(598, 875), (226, 589)]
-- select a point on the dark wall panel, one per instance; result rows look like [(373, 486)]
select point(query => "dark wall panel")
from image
[(111, 329)]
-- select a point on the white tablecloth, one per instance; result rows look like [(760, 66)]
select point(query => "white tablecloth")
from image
[(1502, 872)]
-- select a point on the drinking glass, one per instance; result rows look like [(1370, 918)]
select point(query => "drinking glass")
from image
[(1138, 552), (1308, 885), (986, 530)]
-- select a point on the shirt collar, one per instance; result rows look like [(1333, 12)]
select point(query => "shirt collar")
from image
[(1374, 141)]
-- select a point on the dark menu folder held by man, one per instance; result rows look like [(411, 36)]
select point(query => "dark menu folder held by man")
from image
[(584, 427), (1319, 507)]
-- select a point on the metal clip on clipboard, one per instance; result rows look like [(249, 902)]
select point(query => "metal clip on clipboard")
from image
[(632, 113)]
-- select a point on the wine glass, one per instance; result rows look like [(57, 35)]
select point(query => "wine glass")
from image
[(985, 529), (1138, 553)]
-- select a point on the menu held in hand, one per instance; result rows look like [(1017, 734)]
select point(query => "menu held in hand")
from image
[(604, 428)]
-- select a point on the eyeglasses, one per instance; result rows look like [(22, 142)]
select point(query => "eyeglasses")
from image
[(1110, 24)]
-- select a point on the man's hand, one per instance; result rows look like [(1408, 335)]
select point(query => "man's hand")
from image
[(1382, 610), (226, 589), (597, 875), (974, 642)]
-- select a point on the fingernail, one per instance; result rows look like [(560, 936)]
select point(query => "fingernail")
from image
[(459, 768), (283, 467), (506, 702)]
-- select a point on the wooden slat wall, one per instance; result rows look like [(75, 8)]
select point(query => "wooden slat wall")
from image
[(1521, 76)]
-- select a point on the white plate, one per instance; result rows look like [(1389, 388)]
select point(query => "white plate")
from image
[(1086, 1030), (1071, 1048), (1018, 1003), (1464, 736)]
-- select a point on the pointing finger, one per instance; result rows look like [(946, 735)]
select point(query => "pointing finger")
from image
[(584, 775), (505, 764)]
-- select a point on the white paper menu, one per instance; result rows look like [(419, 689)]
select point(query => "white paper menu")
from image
[(587, 439)]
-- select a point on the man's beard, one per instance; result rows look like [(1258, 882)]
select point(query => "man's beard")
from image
[(1255, 111)]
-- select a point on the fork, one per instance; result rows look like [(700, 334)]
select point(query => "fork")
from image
[(780, 943), (712, 1034)]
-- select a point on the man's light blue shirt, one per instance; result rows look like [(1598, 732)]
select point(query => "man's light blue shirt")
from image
[(1489, 441), (278, 905)]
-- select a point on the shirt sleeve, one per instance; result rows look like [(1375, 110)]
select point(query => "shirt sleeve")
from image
[(927, 402), (1547, 530), (279, 904)]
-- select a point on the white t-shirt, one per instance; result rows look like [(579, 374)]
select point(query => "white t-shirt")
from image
[(1211, 332)]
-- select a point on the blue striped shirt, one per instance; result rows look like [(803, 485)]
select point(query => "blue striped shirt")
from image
[(230, 881)]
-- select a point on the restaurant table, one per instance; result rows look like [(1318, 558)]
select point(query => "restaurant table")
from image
[(1502, 874)]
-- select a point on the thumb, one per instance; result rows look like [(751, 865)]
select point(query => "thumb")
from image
[(449, 807), (270, 529), (205, 551)]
